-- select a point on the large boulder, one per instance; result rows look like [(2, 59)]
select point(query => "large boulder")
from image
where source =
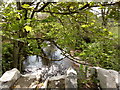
[(9, 78), (107, 78), (29, 80), (71, 79)]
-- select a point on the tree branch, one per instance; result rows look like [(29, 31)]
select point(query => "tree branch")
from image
[(87, 6), (71, 57), (12, 39), (34, 10), (64, 13), (26, 12), (18, 5), (105, 4), (42, 8)]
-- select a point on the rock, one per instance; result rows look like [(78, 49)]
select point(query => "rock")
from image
[(107, 78), (40, 85), (93, 70), (33, 84), (53, 70), (118, 81), (45, 83), (36, 75), (71, 71), (115, 75), (71, 79), (23, 82), (54, 82), (9, 78), (57, 77), (57, 82), (28, 80), (30, 76)]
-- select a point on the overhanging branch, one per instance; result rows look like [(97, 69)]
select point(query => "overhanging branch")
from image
[(42, 8), (87, 6), (39, 10), (79, 61), (34, 9), (71, 57)]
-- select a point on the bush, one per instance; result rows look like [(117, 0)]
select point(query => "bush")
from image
[(102, 53), (7, 56)]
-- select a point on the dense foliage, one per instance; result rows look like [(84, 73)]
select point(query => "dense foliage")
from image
[(70, 25)]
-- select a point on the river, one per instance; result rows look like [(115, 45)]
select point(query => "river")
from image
[(33, 64)]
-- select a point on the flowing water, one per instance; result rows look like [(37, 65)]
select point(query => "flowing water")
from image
[(33, 64)]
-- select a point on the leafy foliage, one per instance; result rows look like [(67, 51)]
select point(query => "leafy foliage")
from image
[(72, 25)]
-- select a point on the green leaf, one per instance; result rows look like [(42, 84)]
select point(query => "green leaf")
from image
[(104, 29), (110, 33), (81, 54), (28, 28), (25, 6), (71, 7), (18, 16), (92, 3), (1, 23), (81, 67), (84, 26), (29, 20)]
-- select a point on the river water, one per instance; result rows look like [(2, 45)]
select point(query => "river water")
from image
[(33, 64)]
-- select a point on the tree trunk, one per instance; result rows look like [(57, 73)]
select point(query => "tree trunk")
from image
[(15, 54), (20, 63), (45, 60)]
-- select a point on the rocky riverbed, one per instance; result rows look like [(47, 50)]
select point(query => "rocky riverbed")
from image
[(13, 79)]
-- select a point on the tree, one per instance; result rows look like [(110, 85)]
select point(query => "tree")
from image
[(68, 25)]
